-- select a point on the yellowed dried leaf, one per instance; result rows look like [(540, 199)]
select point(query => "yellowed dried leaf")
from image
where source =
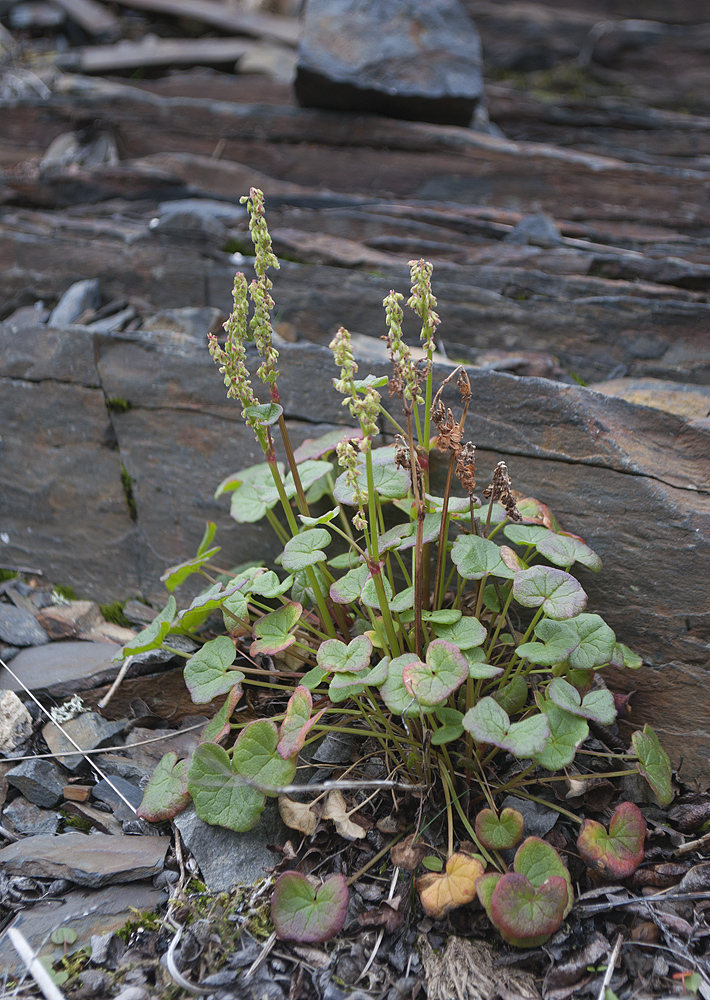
[(336, 809), (298, 815), (441, 892)]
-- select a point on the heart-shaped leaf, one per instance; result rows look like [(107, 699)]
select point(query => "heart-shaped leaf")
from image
[(345, 684), (393, 692), (513, 696), (208, 674), (369, 595), (478, 669), (306, 549), (618, 853), (256, 757), (585, 642), (432, 682), (297, 722), (451, 726), (466, 633), (654, 764), (220, 797), (597, 705), (390, 482), (476, 557), (202, 607), (537, 861), (499, 833), (334, 655), (166, 793), (567, 732), (456, 886), (267, 584), (152, 635), (402, 601), (625, 657), (175, 575), (218, 727), (557, 592), (527, 915), (301, 913), (564, 549), (348, 588), (309, 473), (489, 723), (254, 474), (323, 445), (525, 534), (430, 532), (272, 632)]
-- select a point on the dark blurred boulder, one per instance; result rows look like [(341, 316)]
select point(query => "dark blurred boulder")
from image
[(401, 58)]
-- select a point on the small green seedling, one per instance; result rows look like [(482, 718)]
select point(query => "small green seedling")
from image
[(499, 833), (618, 853), (302, 913)]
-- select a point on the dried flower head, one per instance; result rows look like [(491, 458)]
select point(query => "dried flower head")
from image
[(422, 300), (500, 491), (466, 466)]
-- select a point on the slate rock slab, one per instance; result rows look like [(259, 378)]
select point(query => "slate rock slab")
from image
[(89, 912), (89, 730), (92, 861), (401, 58), (20, 628), (78, 299), (15, 722), (28, 819), (227, 858), (40, 781)]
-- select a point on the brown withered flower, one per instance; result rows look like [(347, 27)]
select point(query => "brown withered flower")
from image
[(466, 466), (500, 491), (401, 453)]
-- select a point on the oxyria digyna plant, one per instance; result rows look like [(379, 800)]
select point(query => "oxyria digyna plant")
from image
[(446, 632)]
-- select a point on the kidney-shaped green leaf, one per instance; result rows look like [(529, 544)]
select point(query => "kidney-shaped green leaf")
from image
[(489, 723), (466, 633), (445, 670), (499, 833), (475, 557), (306, 549), (585, 641), (299, 912), (256, 757), (166, 793), (208, 674), (567, 732), (334, 655), (220, 796), (527, 915), (272, 632), (557, 592), (597, 705), (618, 853)]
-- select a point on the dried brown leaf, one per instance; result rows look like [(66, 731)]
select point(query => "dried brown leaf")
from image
[(335, 808), (407, 854), (299, 816)]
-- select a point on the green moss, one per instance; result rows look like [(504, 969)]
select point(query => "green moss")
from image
[(68, 593), (128, 493), (234, 245), (117, 404), (114, 613), (578, 379), (79, 823), (7, 574)]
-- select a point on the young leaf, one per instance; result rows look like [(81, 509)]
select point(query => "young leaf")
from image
[(393, 692), (152, 635), (489, 723), (311, 522), (478, 669), (456, 886), (345, 684), (475, 557), (567, 732), (309, 473), (305, 549), (266, 584), (466, 633), (597, 705), (525, 914), (175, 575), (585, 642), (256, 757), (654, 764), (334, 655), (625, 657), (220, 797), (166, 793), (63, 935), (499, 833), (537, 861), (272, 632), (432, 682), (323, 445), (297, 722), (618, 853), (208, 674), (348, 588), (451, 726), (263, 414), (218, 727), (207, 538), (300, 913), (558, 593)]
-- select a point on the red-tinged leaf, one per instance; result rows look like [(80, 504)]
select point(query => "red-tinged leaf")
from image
[(535, 512), (524, 913), (499, 833), (219, 726), (298, 722), (272, 633), (166, 793), (618, 853), (301, 913)]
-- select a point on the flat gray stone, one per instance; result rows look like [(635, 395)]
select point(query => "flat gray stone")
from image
[(194, 321), (20, 628), (89, 912), (227, 858), (40, 781), (402, 58), (15, 721), (79, 297), (209, 208), (535, 230), (61, 668), (91, 861), (105, 793), (89, 730), (28, 819)]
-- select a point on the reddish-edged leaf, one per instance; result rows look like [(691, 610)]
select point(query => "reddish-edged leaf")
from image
[(618, 853), (538, 861), (272, 633), (166, 793), (499, 833), (301, 913), (218, 727), (527, 915), (444, 891), (654, 764), (445, 670), (298, 722), (334, 655)]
